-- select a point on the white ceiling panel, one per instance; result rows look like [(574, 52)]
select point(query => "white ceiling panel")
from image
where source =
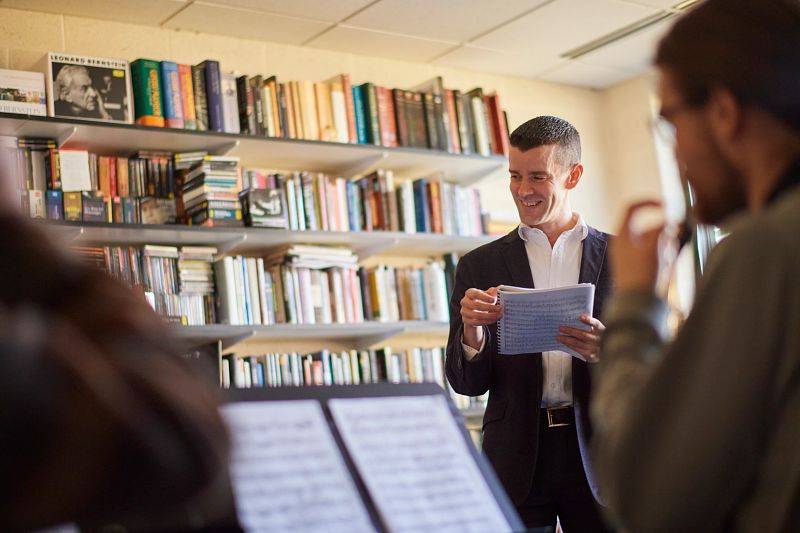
[(454, 20), (245, 23), (583, 75), (145, 12), (633, 53), (327, 10), (374, 43), (497, 62), (561, 26)]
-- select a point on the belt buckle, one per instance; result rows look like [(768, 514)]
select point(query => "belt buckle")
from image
[(550, 422)]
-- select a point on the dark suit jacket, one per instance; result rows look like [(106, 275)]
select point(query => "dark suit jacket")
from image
[(514, 382)]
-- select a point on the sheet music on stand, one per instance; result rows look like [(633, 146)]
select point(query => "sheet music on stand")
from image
[(531, 317), (382, 457)]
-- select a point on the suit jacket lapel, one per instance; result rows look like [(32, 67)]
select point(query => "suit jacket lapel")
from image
[(594, 252), (516, 260)]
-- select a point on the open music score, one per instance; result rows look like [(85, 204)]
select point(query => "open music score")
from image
[(416, 465), (287, 472)]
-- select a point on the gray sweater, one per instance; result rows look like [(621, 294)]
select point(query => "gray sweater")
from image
[(703, 434)]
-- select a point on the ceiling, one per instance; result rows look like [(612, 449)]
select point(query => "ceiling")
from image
[(523, 38)]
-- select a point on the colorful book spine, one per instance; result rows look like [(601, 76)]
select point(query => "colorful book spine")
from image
[(216, 119), (146, 80), (187, 97), (371, 100), (171, 95), (361, 116), (200, 101)]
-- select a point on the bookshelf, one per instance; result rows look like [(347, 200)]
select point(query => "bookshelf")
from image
[(257, 151), (250, 240), (279, 154), (360, 335)]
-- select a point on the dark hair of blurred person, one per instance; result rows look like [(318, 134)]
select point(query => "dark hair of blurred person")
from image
[(702, 434), (100, 419)]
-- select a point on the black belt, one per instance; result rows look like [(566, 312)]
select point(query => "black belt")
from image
[(556, 417)]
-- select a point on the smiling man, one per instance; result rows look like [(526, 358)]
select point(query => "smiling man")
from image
[(536, 427)]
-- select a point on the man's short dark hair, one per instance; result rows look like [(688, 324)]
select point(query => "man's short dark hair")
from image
[(546, 131), (749, 47)]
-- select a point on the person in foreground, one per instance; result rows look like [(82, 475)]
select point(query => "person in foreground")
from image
[(536, 427), (704, 434), (100, 420)]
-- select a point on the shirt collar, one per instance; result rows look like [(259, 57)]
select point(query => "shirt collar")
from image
[(579, 231)]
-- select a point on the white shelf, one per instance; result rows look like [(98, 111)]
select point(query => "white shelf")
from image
[(359, 335), (257, 240), (255, 151)]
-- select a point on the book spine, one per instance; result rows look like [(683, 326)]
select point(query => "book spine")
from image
[(421, 205), (283, 111), (187, 97), (216, 120), (398, 97), (372, 106), (431, 121), (146, 81), (454, 146), (171, 95), (361, 124), (244, 96), (200, 101), (291, 124), (382, 96), (258, 107), (464, 126), (230, 106), (347, 88), (490, 129)]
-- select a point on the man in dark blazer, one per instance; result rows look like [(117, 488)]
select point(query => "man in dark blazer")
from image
[(536, 428)]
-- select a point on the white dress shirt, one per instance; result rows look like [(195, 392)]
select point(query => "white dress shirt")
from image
[(551, 267)]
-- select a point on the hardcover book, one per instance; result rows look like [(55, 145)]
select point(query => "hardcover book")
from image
[(146, 80)]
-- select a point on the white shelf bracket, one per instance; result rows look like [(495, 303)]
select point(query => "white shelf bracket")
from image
[(365, 166), (375, 249), (362, 343), (66, 135), (228, 246), (226, 148), (229, 342), (471, 179)]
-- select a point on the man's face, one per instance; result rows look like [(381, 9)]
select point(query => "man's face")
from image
[(716, 183), (539, 183), (81, 93)]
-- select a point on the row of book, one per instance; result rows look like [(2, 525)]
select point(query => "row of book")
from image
[(178, 283), (315, 201), (157, 187), (205, 97), (346, 367), (296, 285), (324, 285)]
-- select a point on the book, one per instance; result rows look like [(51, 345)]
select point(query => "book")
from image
[(171, 97), (22, 92), (88, 87), (187, 97), (213, 95), (246, 103), (75, 175), (360, 112), (146, 79), (200, 101), (264, 208), (73, 206), (230, 106)]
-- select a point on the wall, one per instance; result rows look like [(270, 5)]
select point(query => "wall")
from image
[(26, 36)]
